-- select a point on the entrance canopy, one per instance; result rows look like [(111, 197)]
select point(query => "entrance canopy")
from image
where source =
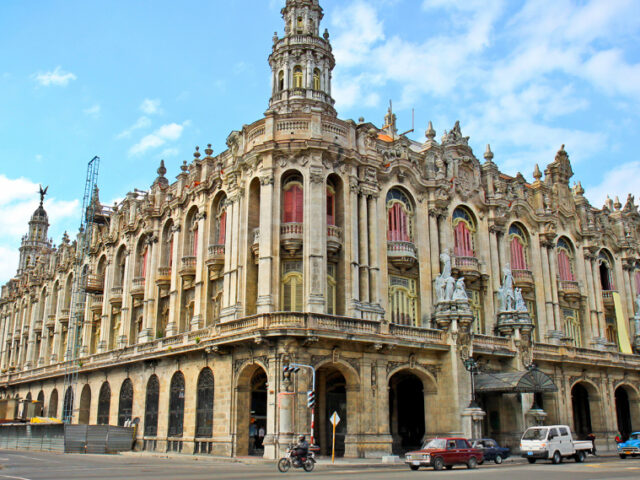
[(533, 381)]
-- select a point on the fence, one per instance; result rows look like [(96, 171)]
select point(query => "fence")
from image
[(67, 438)]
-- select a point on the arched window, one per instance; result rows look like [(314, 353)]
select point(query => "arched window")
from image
[(166, 259), (606, 272), (300, 26), (52, 411), (204, 407), (637, 277), (399, 217), (176, 405), (104, 404), (293, 201), (126, 402), (403, 300), (280, 81), (193, 235), (40, 407), (297, 77), (565, 261), (331, 288), (292, 287), (151, 407), (572, 328), (67, 406), (464, 229), (518, 246), (316, 79), (331, 205), (221, 223)]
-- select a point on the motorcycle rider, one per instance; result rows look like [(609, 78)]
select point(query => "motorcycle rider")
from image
[(301, 449)]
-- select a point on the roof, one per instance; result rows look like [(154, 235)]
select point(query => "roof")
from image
[(530, 381)]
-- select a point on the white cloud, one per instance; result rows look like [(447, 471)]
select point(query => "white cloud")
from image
[(150, 106), (162, 135), (169, 152), (142, 122), (617, 182), (93, 111), (57, 77)]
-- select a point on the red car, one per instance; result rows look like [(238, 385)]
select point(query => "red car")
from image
[(444, 452)]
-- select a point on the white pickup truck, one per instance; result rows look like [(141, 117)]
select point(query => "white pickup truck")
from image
[(553, 442)]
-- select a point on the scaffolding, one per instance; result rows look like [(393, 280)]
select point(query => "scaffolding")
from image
[(78, 292)]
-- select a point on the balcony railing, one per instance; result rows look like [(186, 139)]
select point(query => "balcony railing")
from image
[(291, 236), (137, 286), (64, 316), (607, 297), (334, 238), (522, 278), (163, 277), (215, 256), (569, 288), (116, 295), (402, 254), (188, 266), (95, 283), (466, 265), (51, 320), (96, 303)]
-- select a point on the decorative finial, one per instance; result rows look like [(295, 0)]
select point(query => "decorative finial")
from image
[(184, 167), (361, 120), (161, 169), (579, 190), (208, 150), (616, 204), (430, 133), (43, 193), (488, 154), (196, 154), (325, 35), (275, 37), (537, 174)]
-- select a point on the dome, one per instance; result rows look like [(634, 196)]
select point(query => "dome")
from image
[(40, 213)]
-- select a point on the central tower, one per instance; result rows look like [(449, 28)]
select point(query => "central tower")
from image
[(301, 62)]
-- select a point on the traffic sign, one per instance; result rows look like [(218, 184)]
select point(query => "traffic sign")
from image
[(334, 419)]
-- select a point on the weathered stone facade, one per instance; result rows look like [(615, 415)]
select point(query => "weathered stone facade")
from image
[(318, 241)]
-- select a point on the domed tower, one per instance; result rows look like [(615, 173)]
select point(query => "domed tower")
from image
[(36, 240), (302, 62)]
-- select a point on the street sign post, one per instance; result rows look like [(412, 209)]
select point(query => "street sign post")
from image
[(335, 420)]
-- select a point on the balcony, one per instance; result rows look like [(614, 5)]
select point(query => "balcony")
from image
[(96, 303), (116, 295), (523, 278), (466, 266), (51, 320), (137, 287), (64, 316), (95, 283), (334, 239), (188, 266), (402, 254), (569, 289), (255, 244), (607, 297), (38, 326), (163, 277), (291, 236), (215, 256)]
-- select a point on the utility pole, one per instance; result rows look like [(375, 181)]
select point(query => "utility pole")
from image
[(311, 394)]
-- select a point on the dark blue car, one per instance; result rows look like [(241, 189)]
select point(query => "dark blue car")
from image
[(491, 450)]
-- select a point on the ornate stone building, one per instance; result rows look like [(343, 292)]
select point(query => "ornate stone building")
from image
[(319, 241)]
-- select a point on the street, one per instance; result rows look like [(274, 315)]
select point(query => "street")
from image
[(27, 465)]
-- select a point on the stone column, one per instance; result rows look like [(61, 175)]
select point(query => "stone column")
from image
[(30, 358), (315, 240), (597, 291), (103, 342), (494, 279), (552, 333), (374, 249), (196, 322), (174, 301), (125, 311), (57, 332), (591, 297), (553, 272), (363, 248), (230, 307), (150, 290), (268, 221), (354, 245)]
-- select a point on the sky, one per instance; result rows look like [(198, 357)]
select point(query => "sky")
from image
[(136, 81)]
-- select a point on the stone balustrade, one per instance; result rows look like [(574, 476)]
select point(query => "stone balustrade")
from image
[(291, 235), (402, 254), (334, 238)]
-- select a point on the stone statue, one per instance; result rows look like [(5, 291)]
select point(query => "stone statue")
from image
[(441, 280), (460, 292), (506, 293), (445, 258), (521, 306), (450, 288), (638, 305)]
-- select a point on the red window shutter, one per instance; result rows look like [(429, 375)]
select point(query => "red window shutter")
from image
[(517, 255), (331, 217), (462, 245), (638, 283), (171, 252), (144, 264), (299, 204), (195, 243), (222, 228), (288, 206)]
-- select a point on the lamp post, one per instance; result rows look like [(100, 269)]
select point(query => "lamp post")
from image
[(471, 365)]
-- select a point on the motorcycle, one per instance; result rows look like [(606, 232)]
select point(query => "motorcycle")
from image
[(291, 460)]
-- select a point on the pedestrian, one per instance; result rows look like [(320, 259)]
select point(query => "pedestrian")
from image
[(261, 433), (592, 437)]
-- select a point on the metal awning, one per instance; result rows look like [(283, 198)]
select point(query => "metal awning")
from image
[(531, 381)]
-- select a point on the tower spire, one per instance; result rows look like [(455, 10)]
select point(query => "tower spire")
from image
[(301, 62)]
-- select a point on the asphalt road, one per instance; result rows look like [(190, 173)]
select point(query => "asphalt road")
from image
[(48, 466)]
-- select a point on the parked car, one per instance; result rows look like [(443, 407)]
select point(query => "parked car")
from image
[(490, 450), (630, 447), (553, 442), (442, 453)]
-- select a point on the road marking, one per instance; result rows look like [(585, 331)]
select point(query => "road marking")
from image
[(15, 478)]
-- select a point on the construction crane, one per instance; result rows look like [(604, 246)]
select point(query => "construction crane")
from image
[(79, 292)]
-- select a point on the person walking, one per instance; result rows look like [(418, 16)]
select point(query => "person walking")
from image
[(592, 437)]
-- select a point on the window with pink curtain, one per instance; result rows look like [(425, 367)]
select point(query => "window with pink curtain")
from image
[(564, 266), (222, 228), (293, 203), (194, 250), (145, 256), (518, 259), (331, 208), (462, 241), (397, 230), (638, 283)]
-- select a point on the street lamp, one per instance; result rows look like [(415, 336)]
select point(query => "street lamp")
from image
[(471, 365)]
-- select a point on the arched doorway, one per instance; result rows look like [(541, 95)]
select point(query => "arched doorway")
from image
[(52, 411), (332, 397), (252, 410), (623, 412), (85, 406), (125, 404), (406, 411), (204, 406), (67, 406), (104, 404), (176, 405), (151, 407), (40, 412), (581, 411)]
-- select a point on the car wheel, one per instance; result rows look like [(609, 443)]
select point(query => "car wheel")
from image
[(414, 467), (531, 460), (498, 459), (580, 456), (438, 463), (557, 458), (480, 462), (473, 463), (622, 455)]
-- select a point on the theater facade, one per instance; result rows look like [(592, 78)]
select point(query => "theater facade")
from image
[(340, 245)]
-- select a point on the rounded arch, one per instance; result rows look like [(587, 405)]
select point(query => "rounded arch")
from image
[(400, 208), (152, 399), (176, 405), (348, 371), (408, 389), (67, 406), (605, 267), (28, 397), (218, 219), (519, 241), (85, 405), (125, 403), (292, 187), (251, 406), (102, 265), (52, 409), (464, 224), (104, 404), (120, 266), (40, 412), (204, 403), (191, 233), (429, 382), (166, 250), (142, 256), (587, 408), (627, 403)]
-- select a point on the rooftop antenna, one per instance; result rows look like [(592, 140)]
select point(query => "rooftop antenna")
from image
[(413, 122)]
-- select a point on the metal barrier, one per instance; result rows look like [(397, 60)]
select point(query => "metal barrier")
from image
[(67, 438)]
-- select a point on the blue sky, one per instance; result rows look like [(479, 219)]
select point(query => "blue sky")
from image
[(137, 81)]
